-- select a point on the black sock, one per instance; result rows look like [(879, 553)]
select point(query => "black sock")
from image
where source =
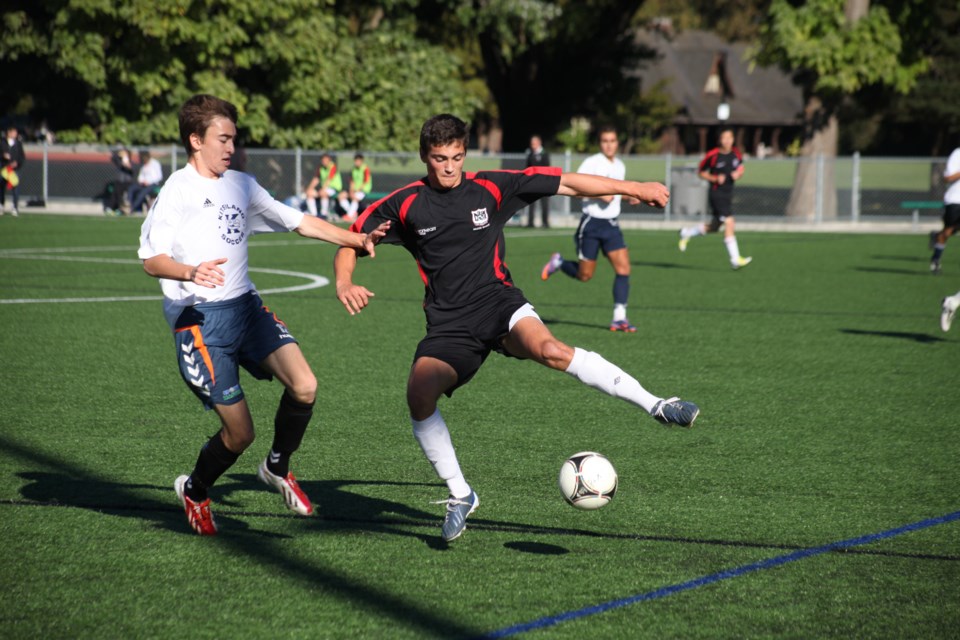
[(289, 425), (213, 461)]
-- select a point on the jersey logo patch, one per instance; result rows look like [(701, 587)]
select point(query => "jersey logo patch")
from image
[(207, 203), (232, 226), (480, 218)]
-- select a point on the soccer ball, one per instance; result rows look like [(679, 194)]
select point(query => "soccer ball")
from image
[(587, 480)]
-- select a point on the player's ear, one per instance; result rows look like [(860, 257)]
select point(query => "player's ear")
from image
[(195, 141)]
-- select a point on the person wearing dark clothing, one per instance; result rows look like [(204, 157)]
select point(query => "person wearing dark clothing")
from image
[(12, 158), (537, 156), (121, 181)]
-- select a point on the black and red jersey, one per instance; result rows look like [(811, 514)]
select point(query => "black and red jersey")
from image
[(717, 162), (456, 236)]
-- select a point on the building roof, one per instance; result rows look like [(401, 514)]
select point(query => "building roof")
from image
[(764, 96)]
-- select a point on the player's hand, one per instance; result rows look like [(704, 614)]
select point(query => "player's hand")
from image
[(653, 194), (372, 238), (721, 178), (208, 274), (354, 297)]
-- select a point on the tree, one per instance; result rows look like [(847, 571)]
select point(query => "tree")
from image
[(314, 73), (834, 49), (544, 61)]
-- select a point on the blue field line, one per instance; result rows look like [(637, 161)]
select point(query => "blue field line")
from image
[(769, 563)]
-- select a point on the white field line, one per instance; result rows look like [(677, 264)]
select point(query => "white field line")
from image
[(314, 281)]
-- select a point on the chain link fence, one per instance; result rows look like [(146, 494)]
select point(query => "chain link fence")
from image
[(845, 189)]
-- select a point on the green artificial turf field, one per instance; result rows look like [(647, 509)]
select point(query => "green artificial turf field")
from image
[(828, 414)]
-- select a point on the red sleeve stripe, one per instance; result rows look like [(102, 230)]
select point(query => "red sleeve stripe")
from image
[(498, 265), (406, 207), (708, 159), (357, 226), (492, 188)]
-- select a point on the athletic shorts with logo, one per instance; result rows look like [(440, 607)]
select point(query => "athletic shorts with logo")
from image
[(598, 234), (465, 341), (213, 339)]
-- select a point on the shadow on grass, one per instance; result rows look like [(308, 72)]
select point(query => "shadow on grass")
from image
[(665, 265), (902, 258), (899, 272), (923, 338), (69, 485)]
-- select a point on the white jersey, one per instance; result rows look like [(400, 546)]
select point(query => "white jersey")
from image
[(952, 195), (196, 219), (599, 165)]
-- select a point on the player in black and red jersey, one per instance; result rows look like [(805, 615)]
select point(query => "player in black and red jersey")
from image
[(721, 167), (452, 222)]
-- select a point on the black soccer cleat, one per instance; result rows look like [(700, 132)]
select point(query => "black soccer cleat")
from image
[(675, 411)]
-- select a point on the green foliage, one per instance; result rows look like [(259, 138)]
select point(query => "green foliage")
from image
[(301, 72), (840, 57)]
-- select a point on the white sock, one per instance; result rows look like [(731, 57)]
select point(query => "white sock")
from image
[(619, 312), (591, 369), (325, 206), (732, 248), (434, 439), (312, 207), (346, 205), (691, 232)]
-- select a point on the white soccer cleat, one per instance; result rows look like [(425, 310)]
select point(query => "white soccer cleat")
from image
[(741, 262), (293, 495), (947, 311)]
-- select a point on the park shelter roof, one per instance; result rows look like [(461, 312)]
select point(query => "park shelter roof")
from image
[(765, 96)]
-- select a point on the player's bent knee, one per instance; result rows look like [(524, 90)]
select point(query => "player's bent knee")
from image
[(304, 391), (584, 277)]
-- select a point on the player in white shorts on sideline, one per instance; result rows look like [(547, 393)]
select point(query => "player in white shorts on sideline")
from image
[(195, 241)]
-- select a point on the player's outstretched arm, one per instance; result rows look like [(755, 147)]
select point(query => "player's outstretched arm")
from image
[(322, 230), (354, 297), (206, 274), (589, 186)]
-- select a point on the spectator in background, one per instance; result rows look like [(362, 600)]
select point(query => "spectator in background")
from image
[(12, 158), (148, 179), (537, 156), (121, 181), (361, 183), (326, 184)]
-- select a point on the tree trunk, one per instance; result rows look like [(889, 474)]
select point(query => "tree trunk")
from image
[(820, 132)]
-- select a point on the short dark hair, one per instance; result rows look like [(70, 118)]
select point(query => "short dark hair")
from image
[(607, 128), (441, 130), (198, 112), (358, 156)]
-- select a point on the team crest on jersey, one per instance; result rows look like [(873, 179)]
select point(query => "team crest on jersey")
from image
[(480, 218), (232, 227)]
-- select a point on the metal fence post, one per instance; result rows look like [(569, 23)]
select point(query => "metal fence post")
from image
[(298, 170), (567, 160), (173, 158), (667, 210), (855, 188), (46, 175), (818, 207)]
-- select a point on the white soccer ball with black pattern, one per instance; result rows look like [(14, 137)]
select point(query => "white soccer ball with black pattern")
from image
[(588, 480)]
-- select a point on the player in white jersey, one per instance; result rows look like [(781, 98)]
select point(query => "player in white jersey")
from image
[(195, 241), (600, 231), (951, 210)]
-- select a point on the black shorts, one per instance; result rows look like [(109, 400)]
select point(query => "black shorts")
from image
[(951, 215), (465, 342), (721, 207)]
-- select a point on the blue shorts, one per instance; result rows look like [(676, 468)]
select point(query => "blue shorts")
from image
[(596, 234), (214, 338)]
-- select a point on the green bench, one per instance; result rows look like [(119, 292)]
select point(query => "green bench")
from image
[(916, 205)]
